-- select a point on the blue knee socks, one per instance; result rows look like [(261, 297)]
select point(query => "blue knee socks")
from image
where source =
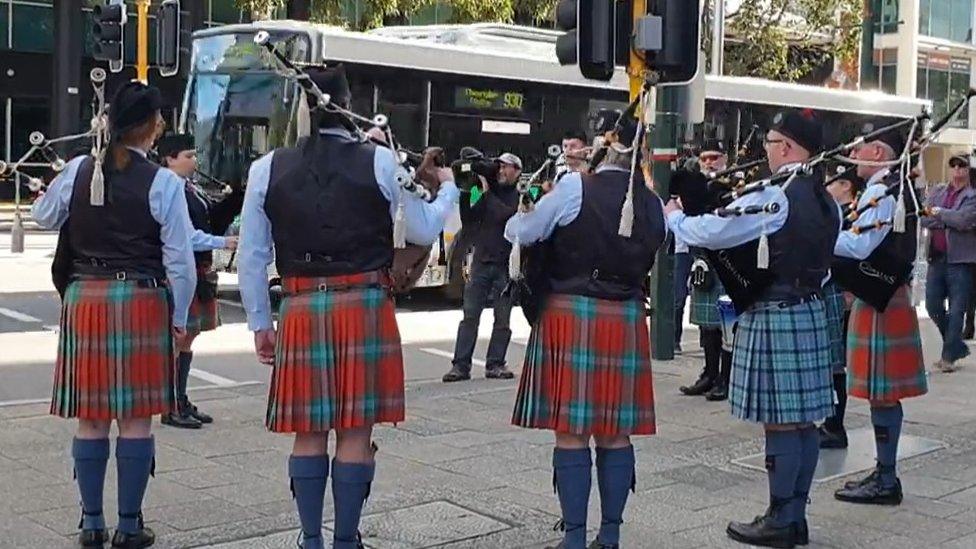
[(615, 477), (783, 468), (91, 461), (308, 476), (350, 488), (572, 470), (134, 460), (887, 430), (809, 455)]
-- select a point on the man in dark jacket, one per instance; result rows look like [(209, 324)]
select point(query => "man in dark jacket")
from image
[(489, 275)]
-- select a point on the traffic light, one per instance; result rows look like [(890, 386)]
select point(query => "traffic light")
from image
[(109, 32), (168, 33), (589, 41), (669, 37)]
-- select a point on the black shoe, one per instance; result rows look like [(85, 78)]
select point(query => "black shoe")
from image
[(196, 414), (762, 532), (832, 439), (802, 533), (718, 393), (93, 538), (499, 372), (872, 493), (873, 477), (143, 537), (180, 421), (456, 374), (702, 386), (597, 544), (969, 332), (677, 349)]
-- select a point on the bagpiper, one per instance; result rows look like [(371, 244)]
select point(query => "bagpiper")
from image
[(177, 153), (126, 232), (324, 211), (587, 370), (780, 361)]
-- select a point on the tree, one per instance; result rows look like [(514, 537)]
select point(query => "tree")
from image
[(792, 39), (376, 13)]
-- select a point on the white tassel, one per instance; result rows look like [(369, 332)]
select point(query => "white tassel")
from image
[(627, 214), (898, 224), (515, 262), (400, 227), (762, 255), (303, 117), (97, 194)]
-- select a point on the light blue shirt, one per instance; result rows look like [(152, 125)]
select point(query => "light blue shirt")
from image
[(424, 223), (558, 208), (860, 246), (167, 205), (720, 233)]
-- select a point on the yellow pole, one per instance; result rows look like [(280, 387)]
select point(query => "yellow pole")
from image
[(142, 52), (635, 69)]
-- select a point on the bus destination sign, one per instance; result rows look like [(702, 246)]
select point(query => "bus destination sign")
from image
[(470, 98)]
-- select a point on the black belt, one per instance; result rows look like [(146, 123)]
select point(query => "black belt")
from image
[(141, 280), (793, 301)]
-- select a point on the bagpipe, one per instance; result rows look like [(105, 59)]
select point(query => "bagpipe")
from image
[(744, 270), (98, 134), (416, 173)]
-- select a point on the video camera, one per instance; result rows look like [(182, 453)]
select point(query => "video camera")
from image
[(472, 163)]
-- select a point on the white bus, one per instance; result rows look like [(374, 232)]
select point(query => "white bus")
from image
[(495, 87)]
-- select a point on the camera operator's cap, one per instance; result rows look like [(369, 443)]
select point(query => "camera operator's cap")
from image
[(802, 127), (893, 138), (509, 158), (172, 144), (960, 157), (132, 105), (712, 145), (331, 80)]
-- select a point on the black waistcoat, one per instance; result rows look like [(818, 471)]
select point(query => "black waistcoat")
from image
[(328, 215), (500, 204), (588, 257), (199, 207), (121, 235)]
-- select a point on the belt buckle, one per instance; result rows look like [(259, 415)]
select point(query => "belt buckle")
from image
[(322, 287), (120, 276)]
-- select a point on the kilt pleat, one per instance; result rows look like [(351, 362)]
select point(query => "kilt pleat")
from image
[(115, 352), (203, 316), (884, 351), (704, 306), (781, 365), (338, 361), (588, 369), (834, 307)]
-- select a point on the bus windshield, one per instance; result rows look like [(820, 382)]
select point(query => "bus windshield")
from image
[(236, 106)]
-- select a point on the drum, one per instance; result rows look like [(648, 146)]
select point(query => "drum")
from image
[(728, 316)]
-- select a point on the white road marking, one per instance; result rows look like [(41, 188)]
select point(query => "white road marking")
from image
[(52, 327), (25, 402), (17, 315), (219, 381), (230, 303), (445, 354)]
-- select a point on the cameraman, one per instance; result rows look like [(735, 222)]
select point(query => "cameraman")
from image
[(489, 274)]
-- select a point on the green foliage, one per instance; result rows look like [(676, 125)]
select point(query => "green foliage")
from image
[(773, 43)]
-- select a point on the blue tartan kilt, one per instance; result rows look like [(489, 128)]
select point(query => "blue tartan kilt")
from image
[(834, 305), (781, 364), (704, 306)]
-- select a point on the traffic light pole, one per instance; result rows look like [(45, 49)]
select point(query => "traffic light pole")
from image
[(142, 30), (664, 141)]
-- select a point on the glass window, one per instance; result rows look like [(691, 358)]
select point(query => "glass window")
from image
[(887, 15), (27, 115), (948, 19), (946, 88), (889, 78), (961, 15), (924, 19), (33, 28)]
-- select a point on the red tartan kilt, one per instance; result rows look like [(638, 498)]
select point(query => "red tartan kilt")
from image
[(884, 351), (203, 316), (338, 362), (115, 354), (588, 369)]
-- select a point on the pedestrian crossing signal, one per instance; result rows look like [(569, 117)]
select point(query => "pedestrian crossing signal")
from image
[(589, 41), (168, 38)]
